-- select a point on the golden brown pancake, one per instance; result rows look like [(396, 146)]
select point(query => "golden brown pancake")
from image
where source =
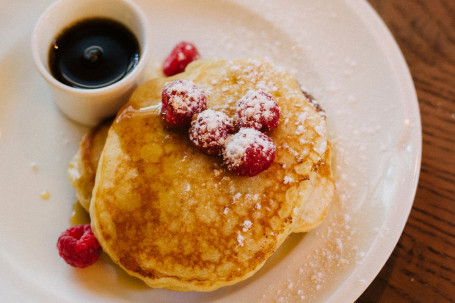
[(317, 205), (175, 217), (82, 172), (83, 166)]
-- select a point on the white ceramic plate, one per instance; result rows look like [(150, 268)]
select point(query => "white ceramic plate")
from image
[(339, 50)]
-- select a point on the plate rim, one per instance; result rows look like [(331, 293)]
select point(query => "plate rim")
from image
[(374, 23), (350, 289)]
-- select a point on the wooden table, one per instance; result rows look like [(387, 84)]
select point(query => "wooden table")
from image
[(422, 266)]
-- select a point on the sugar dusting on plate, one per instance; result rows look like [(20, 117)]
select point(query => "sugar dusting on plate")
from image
[(336, 243)]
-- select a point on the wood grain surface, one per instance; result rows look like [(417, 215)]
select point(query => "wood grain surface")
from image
[(422, 266)]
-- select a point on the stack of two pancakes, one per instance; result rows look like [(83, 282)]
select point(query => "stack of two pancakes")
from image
[(177, 218)]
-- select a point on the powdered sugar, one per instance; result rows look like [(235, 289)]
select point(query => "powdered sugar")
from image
[(288, 179), (322, 265), (246, 225), (210, 130), (246, 138), (320, 147), (258, 109), (249, 152), (184, 96), (240, 239)]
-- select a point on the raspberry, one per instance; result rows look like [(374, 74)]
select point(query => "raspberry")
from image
[(182, 55), (210, 130), (258, 110), (181, 100), (249, 152), (78, 246)]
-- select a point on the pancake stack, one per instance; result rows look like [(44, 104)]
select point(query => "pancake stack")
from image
[(177, 218)]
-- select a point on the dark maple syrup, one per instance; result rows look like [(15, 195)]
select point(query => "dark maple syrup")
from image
[(93, 53)]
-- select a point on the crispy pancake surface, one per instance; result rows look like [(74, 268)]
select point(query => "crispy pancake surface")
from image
[(175, 217)]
